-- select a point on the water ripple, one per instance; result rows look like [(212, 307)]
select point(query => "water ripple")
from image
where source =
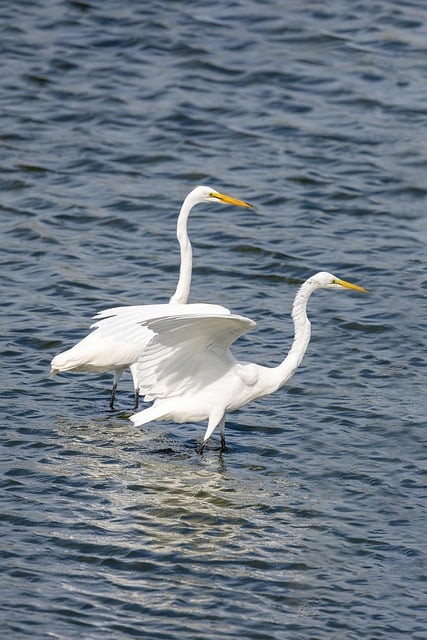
[(312, 523)]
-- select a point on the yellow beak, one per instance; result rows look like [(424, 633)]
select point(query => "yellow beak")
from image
[(350, 285), (229, 200)]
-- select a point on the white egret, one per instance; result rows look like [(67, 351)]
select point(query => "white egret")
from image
[(190, 373), (118, 338)]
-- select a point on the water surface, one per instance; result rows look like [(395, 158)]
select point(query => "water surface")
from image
[(312, 523)]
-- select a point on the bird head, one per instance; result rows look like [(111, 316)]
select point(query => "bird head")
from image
[(327, 280), (207, 194)]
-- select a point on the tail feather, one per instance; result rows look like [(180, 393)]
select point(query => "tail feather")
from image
[(149, 414)]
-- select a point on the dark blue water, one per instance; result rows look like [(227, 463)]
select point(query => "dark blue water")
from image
[(312, 524)]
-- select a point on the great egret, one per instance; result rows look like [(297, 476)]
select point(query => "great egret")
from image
[(190, 373), (118, 337)]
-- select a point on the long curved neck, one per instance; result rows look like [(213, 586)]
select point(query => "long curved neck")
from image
[(302, 332), (184, 282)]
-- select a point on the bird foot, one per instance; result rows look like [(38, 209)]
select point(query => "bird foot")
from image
[(202, 447)]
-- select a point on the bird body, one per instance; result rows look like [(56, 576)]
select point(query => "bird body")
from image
[(118, 337), (189, 371)]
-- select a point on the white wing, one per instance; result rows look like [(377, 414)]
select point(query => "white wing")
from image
[(188, 352), (119, 337), (126, 324)]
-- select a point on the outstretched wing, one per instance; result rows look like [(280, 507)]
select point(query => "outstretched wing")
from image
[(188, 352), (119, 336), (126, 324)]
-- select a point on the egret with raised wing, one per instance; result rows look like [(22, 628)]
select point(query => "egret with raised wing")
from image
[(189, 371), (118, 337)]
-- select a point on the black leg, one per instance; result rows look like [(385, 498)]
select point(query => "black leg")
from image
[(113, 396), (223, 447), (136, 399)]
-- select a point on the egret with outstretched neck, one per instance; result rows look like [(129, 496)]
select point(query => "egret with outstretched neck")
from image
[(118, 339), (189, 371)]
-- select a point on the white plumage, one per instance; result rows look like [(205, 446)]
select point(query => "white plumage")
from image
[(189, 371), (118, 337)]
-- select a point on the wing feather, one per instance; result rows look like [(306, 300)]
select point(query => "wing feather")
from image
[(188, 352), (126, 324)]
